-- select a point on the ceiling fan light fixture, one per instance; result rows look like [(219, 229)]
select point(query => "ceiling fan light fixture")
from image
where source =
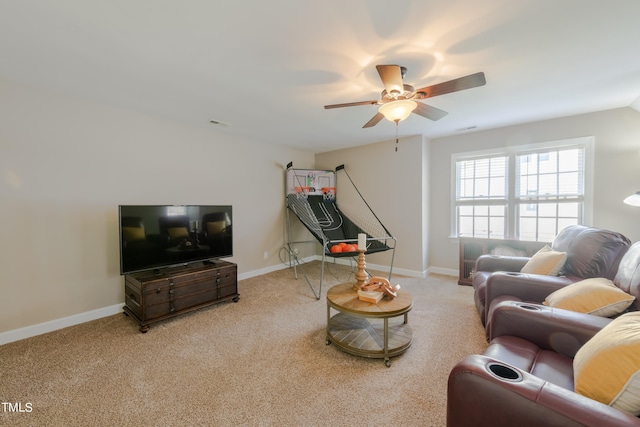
[(396, 111)]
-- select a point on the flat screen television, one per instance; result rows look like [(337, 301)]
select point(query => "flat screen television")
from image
[(159, 236)]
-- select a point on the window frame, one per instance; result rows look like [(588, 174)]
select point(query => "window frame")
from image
[(587, 143)]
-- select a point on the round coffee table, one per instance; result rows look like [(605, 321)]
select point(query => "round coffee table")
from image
[(366, 329)]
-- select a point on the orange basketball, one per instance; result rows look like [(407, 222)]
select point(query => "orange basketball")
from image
[(335, 248), (350, 248)]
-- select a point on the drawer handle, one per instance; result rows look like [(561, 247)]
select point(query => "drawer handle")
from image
[(132, 297)]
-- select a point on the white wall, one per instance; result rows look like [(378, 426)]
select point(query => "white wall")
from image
[(616, 164), (65, 166), (393, 184)]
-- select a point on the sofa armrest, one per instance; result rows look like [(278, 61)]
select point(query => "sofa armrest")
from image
[(555, 329), (479, 395), (527, 287), (500, 263)]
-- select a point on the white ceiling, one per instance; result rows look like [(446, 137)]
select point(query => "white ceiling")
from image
[(267, 68)]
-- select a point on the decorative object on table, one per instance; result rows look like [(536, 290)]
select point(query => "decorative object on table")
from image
[(361, 275), (382, 285), (373, 297), (375, 288)]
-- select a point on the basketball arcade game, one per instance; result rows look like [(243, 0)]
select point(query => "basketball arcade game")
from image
[(332, 217)]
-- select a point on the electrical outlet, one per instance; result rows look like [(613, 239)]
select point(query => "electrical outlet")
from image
[(266, 254)]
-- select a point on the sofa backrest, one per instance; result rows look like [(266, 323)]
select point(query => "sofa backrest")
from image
[(591, 252), (628, 276)]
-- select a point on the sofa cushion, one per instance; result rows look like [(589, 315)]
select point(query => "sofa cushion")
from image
[(546, 261), (597, 296), (607, 367)]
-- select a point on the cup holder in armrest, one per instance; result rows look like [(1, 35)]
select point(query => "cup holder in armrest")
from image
[(512, 273), (530, 307), (504, 372)]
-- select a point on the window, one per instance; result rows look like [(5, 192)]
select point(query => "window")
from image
[(526, 192), (481, 196)]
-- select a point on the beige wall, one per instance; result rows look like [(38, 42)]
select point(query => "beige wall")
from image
[(393, 184), (616, 175), (65, 166)]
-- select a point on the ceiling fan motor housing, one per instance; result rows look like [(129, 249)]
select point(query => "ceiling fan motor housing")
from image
[(408, 93)]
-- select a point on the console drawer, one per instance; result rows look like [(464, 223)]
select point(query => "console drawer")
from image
[(152, 297)]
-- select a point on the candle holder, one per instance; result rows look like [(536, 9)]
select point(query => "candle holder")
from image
[(361, 275)]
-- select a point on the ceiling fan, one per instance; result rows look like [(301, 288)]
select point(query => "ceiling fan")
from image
[(398, 100)]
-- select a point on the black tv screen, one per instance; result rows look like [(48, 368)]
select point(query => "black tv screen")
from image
[(157, 236)]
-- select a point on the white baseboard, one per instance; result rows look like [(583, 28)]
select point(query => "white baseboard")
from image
[(76, 319), (379, 267), (52, 325), (445, 271), (261, 271)]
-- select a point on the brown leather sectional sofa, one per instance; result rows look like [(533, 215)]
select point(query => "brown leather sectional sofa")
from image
[(591, 252), (526, 375)]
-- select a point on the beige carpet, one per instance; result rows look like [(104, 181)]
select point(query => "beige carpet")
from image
[(259, 362)]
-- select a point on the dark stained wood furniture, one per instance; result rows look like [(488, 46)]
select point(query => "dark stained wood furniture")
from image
[(471, 248), (154, 296)]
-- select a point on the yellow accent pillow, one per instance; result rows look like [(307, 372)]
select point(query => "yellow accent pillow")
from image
[(607, 367), (597, 296), (177, 232), (215, 227), (130, 234), (546, 261)]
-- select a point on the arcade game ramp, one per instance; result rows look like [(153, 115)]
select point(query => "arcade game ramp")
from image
[(312, 197)]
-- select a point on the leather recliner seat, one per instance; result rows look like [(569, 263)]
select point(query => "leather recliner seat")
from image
[(526, 375), (591, 252), (525, 378)]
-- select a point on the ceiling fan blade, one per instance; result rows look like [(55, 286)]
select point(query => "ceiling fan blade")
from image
[(350, 104), (429, 112), (374, 120), (462, 83), (391, 76)]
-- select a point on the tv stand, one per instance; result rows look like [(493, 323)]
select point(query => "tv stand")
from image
[(153, 296)]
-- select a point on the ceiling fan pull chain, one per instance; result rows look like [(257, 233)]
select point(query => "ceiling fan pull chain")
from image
[(396, 137)]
